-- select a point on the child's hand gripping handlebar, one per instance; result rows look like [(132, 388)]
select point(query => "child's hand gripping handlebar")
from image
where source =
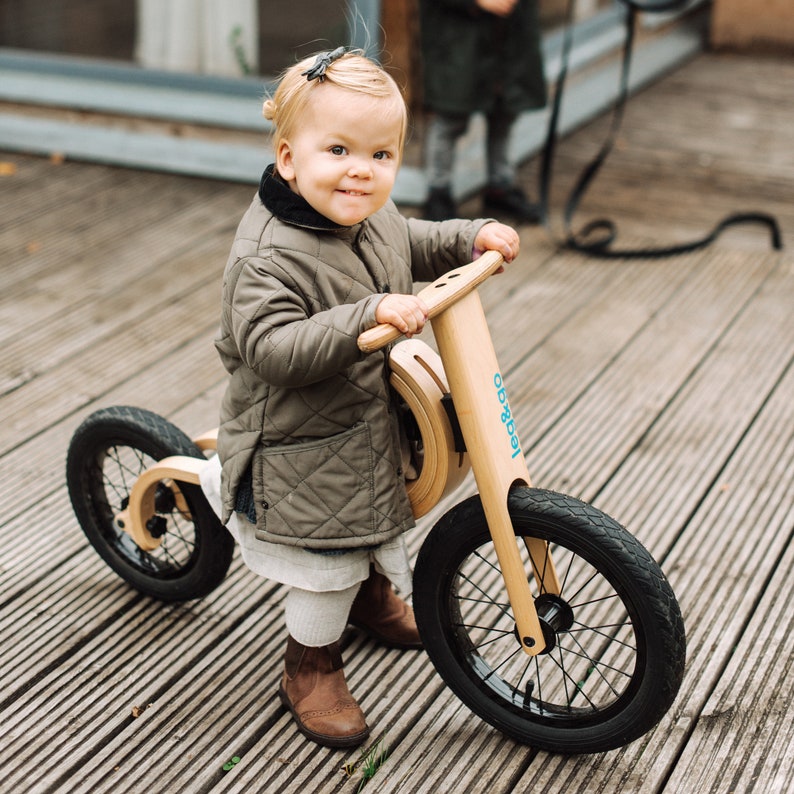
[(438, 296)]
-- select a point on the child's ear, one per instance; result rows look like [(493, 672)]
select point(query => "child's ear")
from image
[(284, 164)]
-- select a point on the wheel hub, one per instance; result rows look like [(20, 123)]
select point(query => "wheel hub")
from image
[(555, 615)]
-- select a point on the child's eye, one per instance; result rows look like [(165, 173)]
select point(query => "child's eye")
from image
[(382, 155), (337, 150)]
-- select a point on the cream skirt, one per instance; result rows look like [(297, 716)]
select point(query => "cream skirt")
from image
[(306, 569)]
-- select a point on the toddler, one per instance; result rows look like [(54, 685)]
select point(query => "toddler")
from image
[(309, 441)]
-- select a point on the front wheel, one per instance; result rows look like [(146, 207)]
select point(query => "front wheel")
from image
[(615, 651), (106, 455)]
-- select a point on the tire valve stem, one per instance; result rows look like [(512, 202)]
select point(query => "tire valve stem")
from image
[(528, 690)]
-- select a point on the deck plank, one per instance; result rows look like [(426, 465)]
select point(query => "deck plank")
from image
[(748, 519)]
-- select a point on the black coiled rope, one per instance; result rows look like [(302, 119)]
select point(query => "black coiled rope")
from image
[(596, 238)]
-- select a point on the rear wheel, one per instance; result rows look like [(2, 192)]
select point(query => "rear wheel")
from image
[(107, 453), (615, 652)]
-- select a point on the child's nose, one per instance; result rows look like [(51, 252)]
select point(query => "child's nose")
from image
[(361, 168)]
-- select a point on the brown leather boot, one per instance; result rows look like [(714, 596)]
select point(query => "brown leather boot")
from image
[(314, 689), (383, 615)]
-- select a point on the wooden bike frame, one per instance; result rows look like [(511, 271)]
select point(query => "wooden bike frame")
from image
[(486, 423)]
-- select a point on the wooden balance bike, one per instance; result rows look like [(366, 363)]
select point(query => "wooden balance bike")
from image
[(543, 615)]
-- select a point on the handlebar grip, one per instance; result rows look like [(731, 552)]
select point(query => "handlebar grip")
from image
[(438, 296), (378, 337)]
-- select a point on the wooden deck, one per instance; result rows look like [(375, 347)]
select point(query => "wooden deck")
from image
[(660, 390)]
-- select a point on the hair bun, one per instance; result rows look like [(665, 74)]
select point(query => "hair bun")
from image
[(269, 109)]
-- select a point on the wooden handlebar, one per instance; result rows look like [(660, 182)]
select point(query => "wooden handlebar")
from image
[(438, 296)]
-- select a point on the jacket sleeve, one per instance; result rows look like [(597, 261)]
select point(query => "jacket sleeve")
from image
[(437, 247), (276, 336)]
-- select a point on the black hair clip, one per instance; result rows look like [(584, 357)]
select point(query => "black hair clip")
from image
[(322, 62)]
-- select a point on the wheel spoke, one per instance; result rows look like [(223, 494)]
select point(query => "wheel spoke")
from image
[(487, 599), (599, 666), (610, 636)]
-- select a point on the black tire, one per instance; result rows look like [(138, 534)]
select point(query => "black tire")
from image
[(618, 637), (107, 453)]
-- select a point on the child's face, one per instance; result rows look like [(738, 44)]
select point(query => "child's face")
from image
[(344, 157)]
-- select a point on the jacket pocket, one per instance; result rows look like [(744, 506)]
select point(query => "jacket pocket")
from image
[(317, 491)]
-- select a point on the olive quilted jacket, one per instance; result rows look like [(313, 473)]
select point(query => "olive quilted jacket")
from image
[(306, 416)]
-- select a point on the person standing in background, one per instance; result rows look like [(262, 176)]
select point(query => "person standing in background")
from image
[(479, 56)]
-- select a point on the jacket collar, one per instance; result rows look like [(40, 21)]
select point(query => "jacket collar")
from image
[(288, 206)]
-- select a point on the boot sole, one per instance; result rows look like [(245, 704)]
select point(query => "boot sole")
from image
[(320, 738)]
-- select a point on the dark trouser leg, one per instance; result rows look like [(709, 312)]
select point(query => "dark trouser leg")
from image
[(441, 137), (502, 194)]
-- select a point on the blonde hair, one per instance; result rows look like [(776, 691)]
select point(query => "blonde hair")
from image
[(352, 71)]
